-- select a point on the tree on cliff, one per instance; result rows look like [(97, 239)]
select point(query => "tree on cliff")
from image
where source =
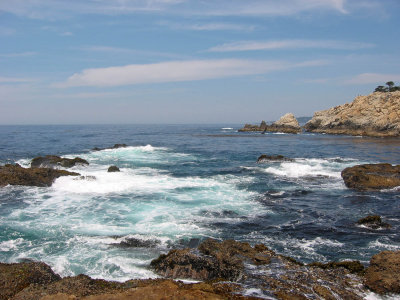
[(390, 87)]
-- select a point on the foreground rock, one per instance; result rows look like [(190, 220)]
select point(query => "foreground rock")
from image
[(274, 275), (286, 124), (16, 277), (373, 222), (377, 114), (372, 176), (112, 169), (116, 146), (51, 161), (17, 175), (266, 158), (383, 274)]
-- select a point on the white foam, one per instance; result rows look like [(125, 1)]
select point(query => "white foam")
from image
[(11, 245), (227, 128), (296, 170)]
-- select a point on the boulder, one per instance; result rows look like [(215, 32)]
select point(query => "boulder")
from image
[(265, 157), (17, 175), (250, 128), (113, 169), (16, 277), (372, 176), (377, 115), (383, 274), (373, 222), (51, 161), (286, 124)]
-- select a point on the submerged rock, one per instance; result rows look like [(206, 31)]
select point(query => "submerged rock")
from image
[(16, 277), (373, 222), (116, 146), (372, 176), (17, 175), (377, 114), (265, 157), (383, 274), (51, 161), (113, 169)]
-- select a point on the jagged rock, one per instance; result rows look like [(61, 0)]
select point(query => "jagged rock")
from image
[(113, 169), (265, 157), (286, 124), (373, 222), (51, 161), (377, 114), (116, 146), (372, 176), (17, 175), (16, 277), (353, 266), (383, 274)]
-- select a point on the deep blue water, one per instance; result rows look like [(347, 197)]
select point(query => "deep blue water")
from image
[(182, 183)]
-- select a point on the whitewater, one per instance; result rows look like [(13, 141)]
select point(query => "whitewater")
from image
[(180, 184)]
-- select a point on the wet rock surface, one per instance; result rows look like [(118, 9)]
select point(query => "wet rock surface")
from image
[(116, 146), (373, 222), (16, 277), (266, 158), (17, 175), (383, 274), (52, 161), (377, 114), (112, 169), (372, 176)]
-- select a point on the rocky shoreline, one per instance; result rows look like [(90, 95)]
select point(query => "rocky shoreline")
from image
[(226, 270)]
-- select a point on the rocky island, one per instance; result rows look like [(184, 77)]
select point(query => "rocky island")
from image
[(376, 115), (286, 124)]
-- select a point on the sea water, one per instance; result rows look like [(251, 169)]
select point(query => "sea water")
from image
[(181, 184)]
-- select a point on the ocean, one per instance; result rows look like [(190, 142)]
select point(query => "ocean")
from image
[(180, 184)]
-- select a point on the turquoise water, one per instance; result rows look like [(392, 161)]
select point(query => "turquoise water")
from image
[(180, 184)]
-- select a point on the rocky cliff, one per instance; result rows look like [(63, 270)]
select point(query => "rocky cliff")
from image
[(377, 114)]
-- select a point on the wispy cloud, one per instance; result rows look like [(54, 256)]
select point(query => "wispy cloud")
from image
[(6, 31), (377, 78), (53, 9), (208, 26), (289, 44), (17, 54), (178, 71), (15, 80)]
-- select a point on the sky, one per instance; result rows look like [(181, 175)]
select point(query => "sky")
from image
[(190, 61)]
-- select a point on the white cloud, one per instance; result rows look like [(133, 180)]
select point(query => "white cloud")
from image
[(53, 9), (175, 71), (377, 78), (289, 44), (208, 26)]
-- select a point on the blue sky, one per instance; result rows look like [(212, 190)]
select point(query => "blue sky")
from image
[(187, 61)]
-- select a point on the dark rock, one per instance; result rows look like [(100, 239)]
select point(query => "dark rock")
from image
[(353, 266), (51, 161), (265, 157), (372, 176), (383, 274), (16, 277), (116, 146), (16, 175), (136, 243), (373, 222), (113, 169)]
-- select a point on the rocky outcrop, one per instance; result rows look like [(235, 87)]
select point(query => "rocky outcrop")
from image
[(383, 274), (377, 114), (266, 158), (17, 175), (113, 169), (116, 146), (52, 161), (16, 277), (286, 124), (372, 176), (373, 222)]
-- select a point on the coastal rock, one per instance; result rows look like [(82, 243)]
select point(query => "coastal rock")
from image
[(51, 161), (116, 146), (16, 277), (113, 169), (17, 175), (372, 176), (383, 274), (377, 115), (286, 124), (373, 222), (265, 157)]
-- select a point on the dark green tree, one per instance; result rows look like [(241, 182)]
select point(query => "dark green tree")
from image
[(389, 88), (380, 88), (390, 85)]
